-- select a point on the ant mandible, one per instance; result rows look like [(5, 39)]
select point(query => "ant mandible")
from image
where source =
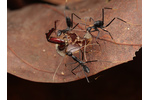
[(55, 40)]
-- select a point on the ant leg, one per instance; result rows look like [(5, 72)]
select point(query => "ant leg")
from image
[(81, 55), (75, 26), (72, 20), (55, 23), (108, 32), (97, 36), (55, 26), (74, 69), (91, 61), (113, 20), (86, 76), (103, 12), (98, 33), (74, 15)]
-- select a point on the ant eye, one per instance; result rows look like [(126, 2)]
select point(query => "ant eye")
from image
[(59, 33), (69, 53)]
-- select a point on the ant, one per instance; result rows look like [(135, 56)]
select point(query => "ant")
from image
[(69, 22), (100, 24), (85, 68)]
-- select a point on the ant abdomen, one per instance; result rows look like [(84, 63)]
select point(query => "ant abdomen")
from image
[(69, 22)]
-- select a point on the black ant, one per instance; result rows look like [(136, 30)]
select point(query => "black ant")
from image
[(85, 68), (69, 22), (100, 24), (83, 43)]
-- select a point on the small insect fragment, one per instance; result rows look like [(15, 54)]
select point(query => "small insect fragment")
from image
[(62, 73), (44, 50), (54, 55)]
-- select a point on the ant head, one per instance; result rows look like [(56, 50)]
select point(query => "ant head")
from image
[(89, 29), (86, 69), (69, 53)]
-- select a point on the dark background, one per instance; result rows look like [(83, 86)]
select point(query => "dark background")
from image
[(122, 82)]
